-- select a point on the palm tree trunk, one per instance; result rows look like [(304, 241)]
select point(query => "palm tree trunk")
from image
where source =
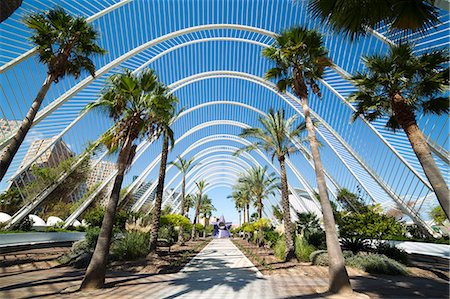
[(339, 281), (248, 212), (407, 121), (240, 219), (159, 195), (260, 207), (183, 191), (21, 133), (96, 271), (245, 212), (197, 211), (288, 233)]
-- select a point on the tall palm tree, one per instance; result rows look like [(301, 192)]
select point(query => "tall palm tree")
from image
[(401, 85), (300, 59), (189, 203), (206, 209), (275, 137), (132, 102), (65, 44), (184, 166), (238, 204), (200, 186), (399, 15), (262, 185), (165, 121), (242, 190)]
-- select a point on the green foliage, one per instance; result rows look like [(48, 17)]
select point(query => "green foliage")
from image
[(280, 249), (306, 221), (168, 233), (91, 237), (25, 224), (377, 264), (10, 201), (262, 224), (370, 225), (132, 246), (303, 249), (392, 252), (351, 202), (94, 218), (320, 257), (316, 237), (175, 220), (271, 237), (254, 217), (438, 215), (355, 244), (277, 212)]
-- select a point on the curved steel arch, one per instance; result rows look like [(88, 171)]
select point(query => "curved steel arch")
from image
[(264, 32), (139, 203), (211, 160), (55, 104)]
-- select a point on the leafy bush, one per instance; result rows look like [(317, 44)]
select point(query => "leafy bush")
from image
[(438, 215), (316, 238), (303, 249), (91, 236), (168, 233), (377, 264), (280, 249), (94, 218), (355, 244), (26, 224), (320, 257), (392, 252), (175, 220), (271, 237), (132, 246), (369, 225)]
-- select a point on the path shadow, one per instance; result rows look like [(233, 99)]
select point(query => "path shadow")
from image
[(207, 273)]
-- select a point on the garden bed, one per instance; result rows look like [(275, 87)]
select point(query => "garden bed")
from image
[(264, 259), (164, 261)]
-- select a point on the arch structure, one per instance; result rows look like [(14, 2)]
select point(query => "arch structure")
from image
[(212, 62)]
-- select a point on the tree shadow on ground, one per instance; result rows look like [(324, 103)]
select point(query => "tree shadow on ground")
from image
[(208, 273)]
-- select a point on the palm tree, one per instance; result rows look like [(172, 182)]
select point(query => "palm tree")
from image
[(400, 15), (184, 166), (242, 191), (65, 44), (130, 100), (276, 139), (300, 59), (238, 204), (401, 85), (262, 185), (165, 121), (200, 186), (206, 209), (189, 203)]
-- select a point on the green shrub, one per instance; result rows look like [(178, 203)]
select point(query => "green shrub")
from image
[(355, 244), (94, 217), (176, 220), (91, 236), (320, 257), (303, 249), (132, 246), (316, 237), (271, 237), (392, 252), (168, 233), (280, 249), (26, 224), (377, 264)]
